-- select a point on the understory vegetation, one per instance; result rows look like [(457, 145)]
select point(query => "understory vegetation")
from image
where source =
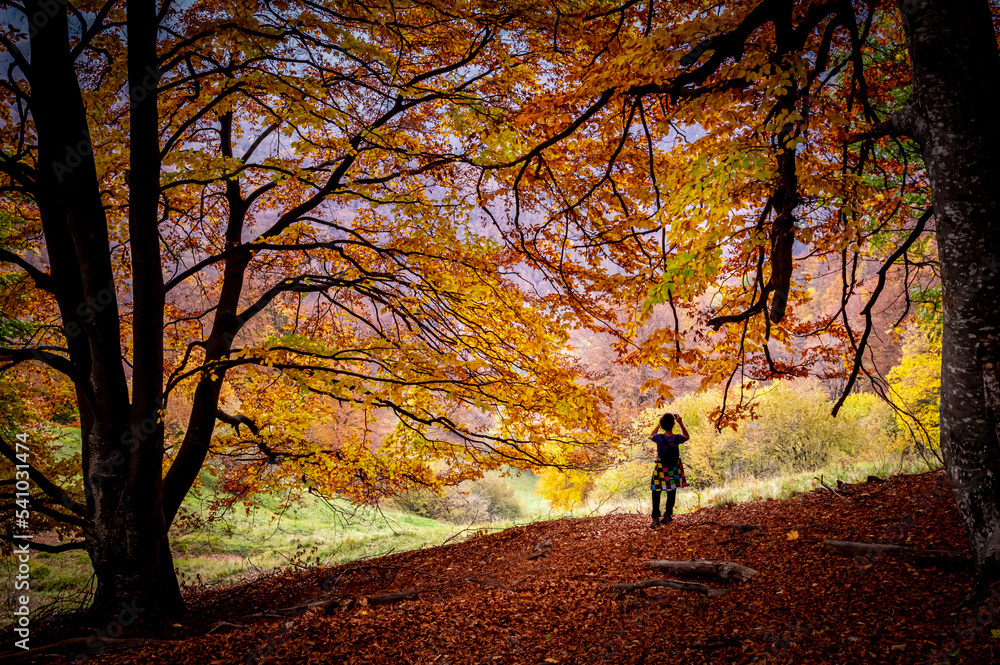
[(791, 445), (243, 543)]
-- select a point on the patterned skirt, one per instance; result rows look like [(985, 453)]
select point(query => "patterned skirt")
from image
[(666, 479)]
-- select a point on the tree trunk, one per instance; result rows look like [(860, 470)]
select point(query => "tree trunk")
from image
[(952, 113), (122, 439)]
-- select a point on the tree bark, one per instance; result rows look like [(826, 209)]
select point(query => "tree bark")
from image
[(150, 575), (952, 113), (329, 606), (122, 439), (225, 327)]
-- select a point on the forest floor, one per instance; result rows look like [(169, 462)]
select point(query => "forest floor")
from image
[(486, 600)]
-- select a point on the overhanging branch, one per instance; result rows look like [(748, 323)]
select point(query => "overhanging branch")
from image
[(49, 549)]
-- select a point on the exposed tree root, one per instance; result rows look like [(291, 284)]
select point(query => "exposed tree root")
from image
[(703, 589), (722, 569), (946, 559)]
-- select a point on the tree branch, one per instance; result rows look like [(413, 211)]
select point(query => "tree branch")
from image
[(42, 279), (56, 362), (908, 122), (867, 311), (238, 420), (50, 549), (54, 491)]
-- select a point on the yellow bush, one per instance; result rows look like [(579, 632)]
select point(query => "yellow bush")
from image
[(916, 384), (563, 489)]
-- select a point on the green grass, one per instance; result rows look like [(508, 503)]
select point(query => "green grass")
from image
[(312, 532), (523, 483), (776, 487)]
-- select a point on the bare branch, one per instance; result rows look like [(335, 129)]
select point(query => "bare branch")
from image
[(867, 311)]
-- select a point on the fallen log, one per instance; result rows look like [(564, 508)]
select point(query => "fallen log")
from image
[(869, 552), (724, 570), (703, 589), (226, 624)]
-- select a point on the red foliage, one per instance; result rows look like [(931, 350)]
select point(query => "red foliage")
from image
[(484, 601)]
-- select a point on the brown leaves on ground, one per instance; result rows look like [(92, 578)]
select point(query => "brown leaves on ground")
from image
[(485, 601)]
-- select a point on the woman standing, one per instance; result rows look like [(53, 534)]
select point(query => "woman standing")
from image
[(668, 475)]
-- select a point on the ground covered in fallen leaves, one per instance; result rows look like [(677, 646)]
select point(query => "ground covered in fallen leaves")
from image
[(485, 600)]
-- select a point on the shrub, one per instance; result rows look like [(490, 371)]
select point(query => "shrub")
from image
[(563, 489), (793, 432), (458, 505), (502, 503)]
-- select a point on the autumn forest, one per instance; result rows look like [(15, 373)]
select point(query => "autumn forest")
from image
[(441, 266)]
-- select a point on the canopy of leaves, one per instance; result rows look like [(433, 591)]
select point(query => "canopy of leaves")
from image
[(719, 160), (317, 201)]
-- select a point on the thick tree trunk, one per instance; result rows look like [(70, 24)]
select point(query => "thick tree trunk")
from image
[(122, 440), (953, 114), (225, 327)]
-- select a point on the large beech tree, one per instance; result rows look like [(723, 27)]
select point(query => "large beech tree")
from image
[(730, 157), (273, 211), (259, 213)]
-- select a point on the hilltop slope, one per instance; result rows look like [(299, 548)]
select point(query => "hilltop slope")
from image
[(485, 601)]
